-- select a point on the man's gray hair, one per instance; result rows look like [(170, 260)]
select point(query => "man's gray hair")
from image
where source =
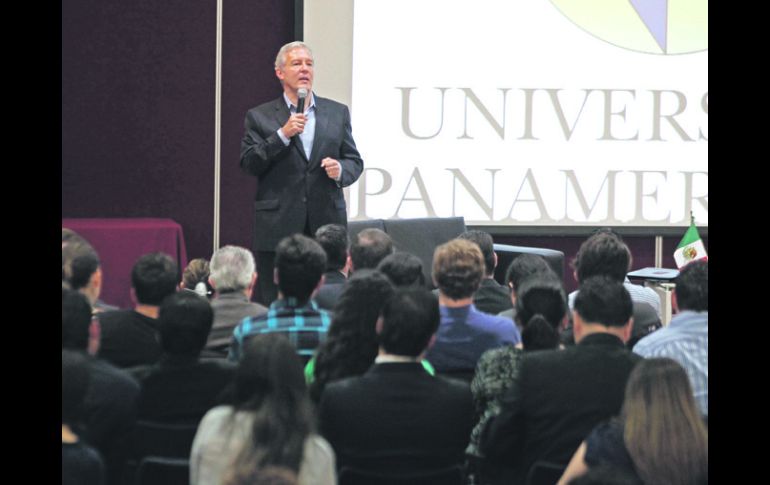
[(231, 268), (280, 59)]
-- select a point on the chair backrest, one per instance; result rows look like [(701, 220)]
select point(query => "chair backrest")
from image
[(421, 237), (545, 473), (453, 475), (156, 470), (162, 439), (507, 253)]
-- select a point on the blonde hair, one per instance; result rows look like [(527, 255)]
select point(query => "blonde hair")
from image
[(458, 267)]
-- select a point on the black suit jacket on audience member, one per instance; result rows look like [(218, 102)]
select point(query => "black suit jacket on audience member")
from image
[(554, 402), (290, 188), (492, 297), (397, 417), (129, 339), (109, 411), (180, 389), (329, 293)]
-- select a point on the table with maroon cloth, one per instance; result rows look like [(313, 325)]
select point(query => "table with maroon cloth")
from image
[(120, 242)]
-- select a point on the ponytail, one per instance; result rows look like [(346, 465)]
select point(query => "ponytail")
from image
[(538, 334)]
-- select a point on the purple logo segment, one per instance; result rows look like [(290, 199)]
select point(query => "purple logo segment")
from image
[(654, 14)]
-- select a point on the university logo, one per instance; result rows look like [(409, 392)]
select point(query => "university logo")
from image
[(652, 26)]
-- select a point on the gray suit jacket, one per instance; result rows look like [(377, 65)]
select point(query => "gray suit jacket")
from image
[(292, 190), (229, 310)]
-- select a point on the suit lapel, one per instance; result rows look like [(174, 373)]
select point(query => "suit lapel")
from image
[(282, 114), (321, 122)]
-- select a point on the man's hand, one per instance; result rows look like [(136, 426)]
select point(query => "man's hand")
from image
[(295, 124), (333, 168)]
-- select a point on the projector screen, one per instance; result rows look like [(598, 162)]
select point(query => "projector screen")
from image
[(538, 112)]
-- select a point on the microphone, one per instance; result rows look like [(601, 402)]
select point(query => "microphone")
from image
[(302, 94)]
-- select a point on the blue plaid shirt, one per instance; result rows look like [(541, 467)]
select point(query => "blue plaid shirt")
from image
[(305, 326)]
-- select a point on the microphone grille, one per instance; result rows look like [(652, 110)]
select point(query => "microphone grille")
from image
[(302, 93)]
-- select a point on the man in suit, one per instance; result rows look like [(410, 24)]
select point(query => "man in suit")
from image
[(334, 239), (491, 297), (233, 276), (397, 417), (302, 160), (180, 388), (558, 396)]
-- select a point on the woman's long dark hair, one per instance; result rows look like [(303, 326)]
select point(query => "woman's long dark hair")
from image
[(540, 308), (663, 429), (351, 344), (269, 382)]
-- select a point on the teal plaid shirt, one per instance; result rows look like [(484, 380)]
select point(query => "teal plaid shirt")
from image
[(305, 326)]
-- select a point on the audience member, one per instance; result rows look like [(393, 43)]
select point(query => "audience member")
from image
[(686, 338), (233, 277), (557, 397), (541, 310), (606, 475), (299, 267), (659, 437), (397, 417), (465, 333), (130, 337), (521, 268), (369, 247), (605, 254), (195, 278), (351, 345), (334, 240), (268, 421), (180, 388), (80, 464), (491, 297), (109, 406), (82, 270), (403, 269)]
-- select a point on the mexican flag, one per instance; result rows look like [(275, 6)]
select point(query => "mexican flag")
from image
[(690, 247)]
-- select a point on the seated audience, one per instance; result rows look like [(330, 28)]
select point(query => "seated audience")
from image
[(269, 475), (267, 421), (396, 417), (659, 436), (558, 396), (491, 297), (520, 269), (403, 269), (368, 248), (195, 278), (80, 464), (130, 337), (686, 338), (334, 240), (82, 270), (605, 254), (351, 345), (299, 267), (465, 333), (233, 276), (109, 407), (541, 310), (181, 388)]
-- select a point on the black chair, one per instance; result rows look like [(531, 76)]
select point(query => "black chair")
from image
[(453, 475), (159, 441), (545, 473), (507, 253), (156, 470)]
